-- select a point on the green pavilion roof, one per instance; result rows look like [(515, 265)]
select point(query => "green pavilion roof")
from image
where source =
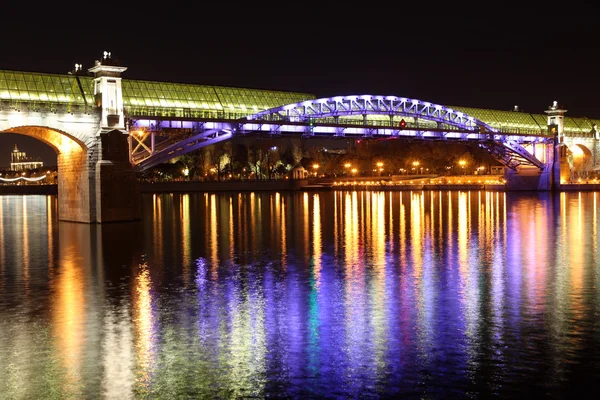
[(211, 98), (44, 88), (148, 98), (145, 98), (526, 123)]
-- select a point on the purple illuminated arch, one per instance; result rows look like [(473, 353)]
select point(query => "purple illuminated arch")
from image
[(370, 105)]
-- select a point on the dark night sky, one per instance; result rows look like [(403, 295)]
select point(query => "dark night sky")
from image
[(451, 60)]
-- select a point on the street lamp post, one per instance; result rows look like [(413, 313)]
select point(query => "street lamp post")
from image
[(347, 167), (462, 165), (416, 166), (315, 167), (380, 167)]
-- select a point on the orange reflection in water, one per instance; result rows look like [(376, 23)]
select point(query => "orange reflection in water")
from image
[(495, 243), (351, 231), (69, 311), (317, 246), (305, 225), (464, 227), (403, 239), (255, 221), (356, 315), (421, 271), (186, 234), (283, 233), (577, 249), (535, 247), (25, 245), (416, 234), (214, 237), (50, 206), (143, 321), (377, 288), (241, 223), (379, 231), (468, 267), (157, 227)]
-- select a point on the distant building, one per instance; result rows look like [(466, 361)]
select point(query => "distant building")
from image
[(20, 162)]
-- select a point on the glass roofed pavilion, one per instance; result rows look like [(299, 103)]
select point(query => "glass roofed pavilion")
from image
[(141, 98)]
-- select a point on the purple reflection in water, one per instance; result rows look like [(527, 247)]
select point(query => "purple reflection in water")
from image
[(328, 295)]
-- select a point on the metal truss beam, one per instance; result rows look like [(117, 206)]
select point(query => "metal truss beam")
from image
[(182, 147), (511, 154), (368, 105), (305, 119)]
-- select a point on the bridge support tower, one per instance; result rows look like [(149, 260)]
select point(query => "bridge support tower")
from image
[(117, 194)]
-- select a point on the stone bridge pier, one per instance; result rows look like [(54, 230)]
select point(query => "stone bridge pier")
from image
[(96, 181)]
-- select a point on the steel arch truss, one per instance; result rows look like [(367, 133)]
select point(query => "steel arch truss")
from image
[(321, 118), (370, 105)]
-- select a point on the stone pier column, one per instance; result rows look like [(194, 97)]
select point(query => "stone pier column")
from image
[(117, 194), (117, 190), (75, 192)]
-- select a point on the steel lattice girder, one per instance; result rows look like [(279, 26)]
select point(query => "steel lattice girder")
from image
[(368, 104), (185, 146), (297, 119), (511, 153)]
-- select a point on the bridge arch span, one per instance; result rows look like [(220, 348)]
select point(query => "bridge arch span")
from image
[(60, 141), (582, 157), (76, 201), (392, 106), (378, 116)]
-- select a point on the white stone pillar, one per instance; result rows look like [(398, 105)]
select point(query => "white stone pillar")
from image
[(108, 92), (556, 117)]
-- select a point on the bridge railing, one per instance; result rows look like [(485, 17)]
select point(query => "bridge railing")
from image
[(184, 113), (579, 134)]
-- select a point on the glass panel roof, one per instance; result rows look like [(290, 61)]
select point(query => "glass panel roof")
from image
[(577, 125), (32, 86), (204, 97), (505, 120), (526, 123), (164, 96)]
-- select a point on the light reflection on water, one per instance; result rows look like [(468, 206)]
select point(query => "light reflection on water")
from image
[(303, 295)]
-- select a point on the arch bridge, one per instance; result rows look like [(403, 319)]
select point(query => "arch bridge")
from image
[(364, 116), (104, 129)]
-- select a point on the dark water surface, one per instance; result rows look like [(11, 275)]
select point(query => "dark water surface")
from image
[(304, 295)]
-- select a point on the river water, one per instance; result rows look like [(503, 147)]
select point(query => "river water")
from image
[(425, 294)]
